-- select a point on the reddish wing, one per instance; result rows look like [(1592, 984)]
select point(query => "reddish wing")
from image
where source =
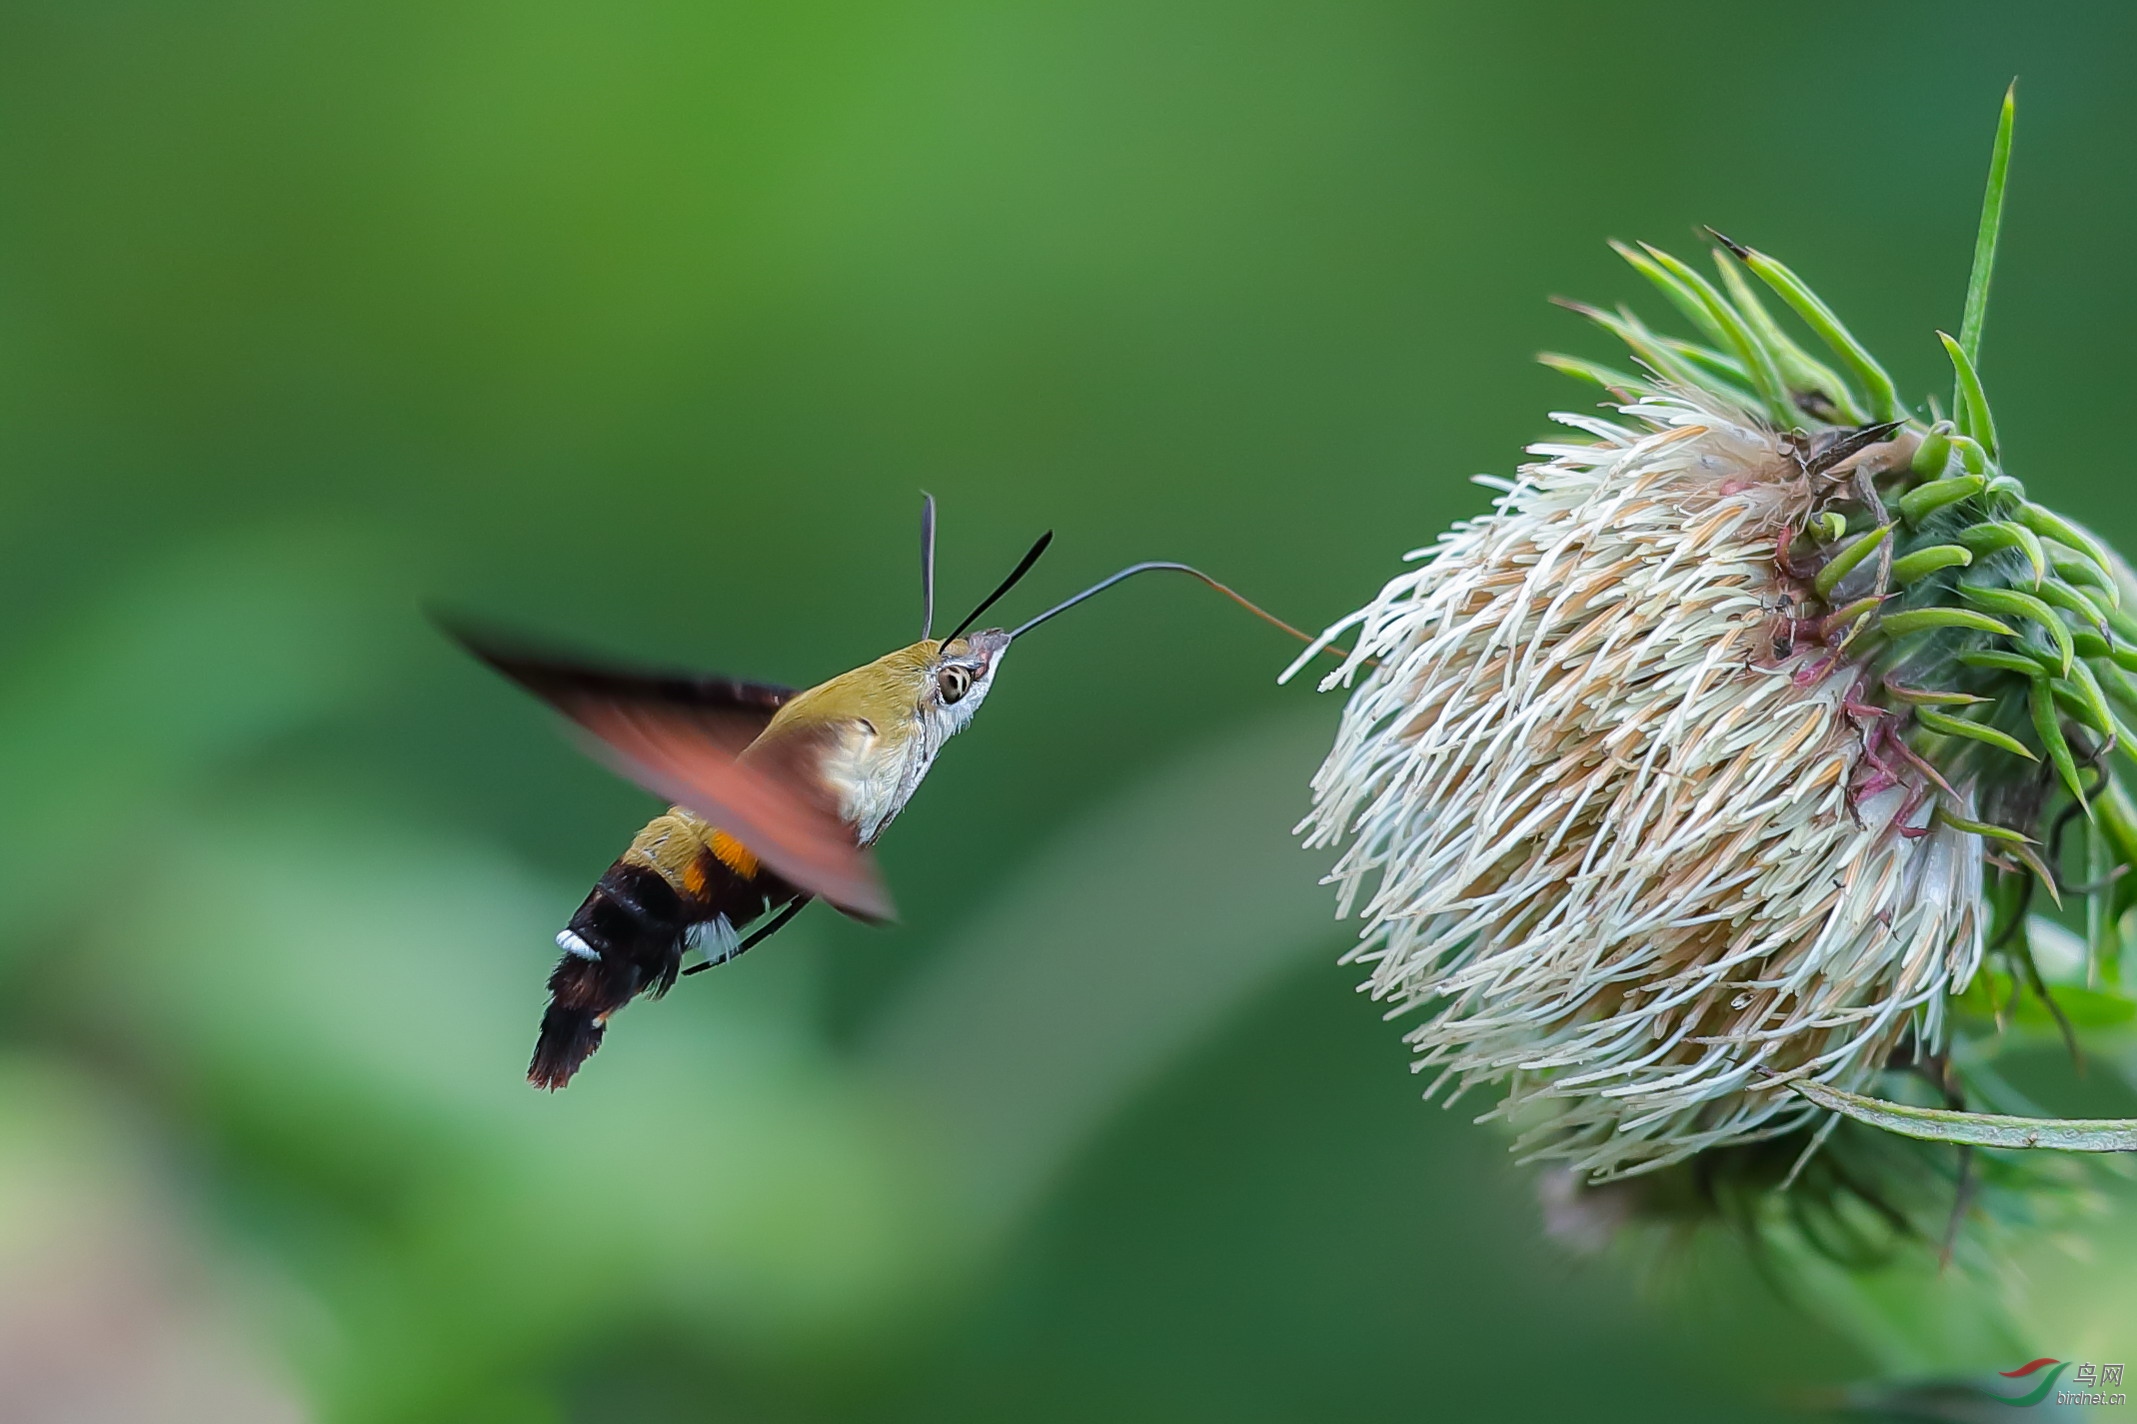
[(730, 711), (773, 807), (682, 736)]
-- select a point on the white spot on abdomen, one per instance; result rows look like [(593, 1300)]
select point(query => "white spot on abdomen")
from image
[(716, 937)]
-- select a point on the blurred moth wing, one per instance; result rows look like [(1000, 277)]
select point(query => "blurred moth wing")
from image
[(770, 795), (685, 738)]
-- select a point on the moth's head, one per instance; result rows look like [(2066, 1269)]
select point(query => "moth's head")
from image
[(959, 672)]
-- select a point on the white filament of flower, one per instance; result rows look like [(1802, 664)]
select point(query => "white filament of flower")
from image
[(1604, 839)]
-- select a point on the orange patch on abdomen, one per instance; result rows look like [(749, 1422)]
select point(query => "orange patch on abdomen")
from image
[(732, 854), (694, 876)]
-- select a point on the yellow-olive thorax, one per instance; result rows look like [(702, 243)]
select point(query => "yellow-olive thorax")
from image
[(875, 730)]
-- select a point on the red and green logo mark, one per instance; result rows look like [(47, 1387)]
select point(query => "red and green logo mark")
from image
[(2039, 1392)]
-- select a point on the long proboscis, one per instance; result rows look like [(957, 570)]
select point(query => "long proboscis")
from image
[(1167, 566)]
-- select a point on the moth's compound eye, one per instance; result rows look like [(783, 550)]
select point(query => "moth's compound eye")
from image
[(953, 682)]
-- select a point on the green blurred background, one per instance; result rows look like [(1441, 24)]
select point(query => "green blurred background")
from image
[(643, 325)]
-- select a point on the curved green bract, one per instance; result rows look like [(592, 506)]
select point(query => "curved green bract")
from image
[(1974, 417), (1959, 727), (1608, 377), (1757, 360), (2048, 727), (2062, 1134), (1921, 502), (2013, 603), (1810, 381), (1884, 400), (1848, 560), (1919, 619), (2050, 525), (2004, 534), (1923, 562), (1995, 660)]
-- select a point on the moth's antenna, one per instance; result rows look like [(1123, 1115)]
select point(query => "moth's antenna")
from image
[(927, 565), (1023, 567), (1161, 565)]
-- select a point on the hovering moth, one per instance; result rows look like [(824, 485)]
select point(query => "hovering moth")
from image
[(776, 795)]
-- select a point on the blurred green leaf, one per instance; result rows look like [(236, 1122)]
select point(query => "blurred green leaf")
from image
[(344, 1010), (173, 670), (1126, 941)]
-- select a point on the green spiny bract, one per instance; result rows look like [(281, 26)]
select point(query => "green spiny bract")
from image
[(1995, 652), (1684, 793), (1990, 634)]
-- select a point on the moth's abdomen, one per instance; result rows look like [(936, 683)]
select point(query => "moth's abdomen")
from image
[(625, 940), (680, 880)]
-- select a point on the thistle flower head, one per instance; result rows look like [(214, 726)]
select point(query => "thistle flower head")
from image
[(1718, 754)]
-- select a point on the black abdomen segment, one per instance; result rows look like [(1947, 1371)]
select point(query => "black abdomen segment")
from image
[(628, 939)]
